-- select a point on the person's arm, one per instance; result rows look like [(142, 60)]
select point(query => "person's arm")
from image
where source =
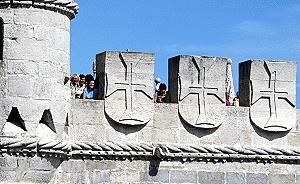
[(84, 94), (96, 94), (155, 97)]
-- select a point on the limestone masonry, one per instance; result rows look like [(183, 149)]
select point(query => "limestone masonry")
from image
[(45, 137)]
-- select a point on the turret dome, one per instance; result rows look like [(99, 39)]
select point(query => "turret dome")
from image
[(67, 7)]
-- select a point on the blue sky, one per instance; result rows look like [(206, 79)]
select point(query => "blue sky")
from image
[(237, 29)]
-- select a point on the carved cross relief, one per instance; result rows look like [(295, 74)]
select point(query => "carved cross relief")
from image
[(202, 91), (130, 88), (272, 93)]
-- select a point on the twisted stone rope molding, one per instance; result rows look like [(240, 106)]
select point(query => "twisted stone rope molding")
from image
[(121, 151), (67, 7), (18, 146), (223, 153)]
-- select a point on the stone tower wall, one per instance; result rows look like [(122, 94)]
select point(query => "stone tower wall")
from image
[(35, 63), (125, 137)]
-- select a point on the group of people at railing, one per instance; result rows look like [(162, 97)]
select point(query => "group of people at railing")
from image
[(233, 102), (161, 94), (84, 87)]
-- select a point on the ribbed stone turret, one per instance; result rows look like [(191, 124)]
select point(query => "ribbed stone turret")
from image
[(67, 7), (35, 67)]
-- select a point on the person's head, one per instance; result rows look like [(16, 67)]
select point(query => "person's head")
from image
[(82, 79), (89, 78), (163, 88), (227, 96), (74, 78), (91, 84), (157, 80)]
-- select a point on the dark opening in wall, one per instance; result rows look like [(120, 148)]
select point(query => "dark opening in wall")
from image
[(1, 38), (15, 118), (48, 120)]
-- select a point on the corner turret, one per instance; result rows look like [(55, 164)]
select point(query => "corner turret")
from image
[(34, 66)]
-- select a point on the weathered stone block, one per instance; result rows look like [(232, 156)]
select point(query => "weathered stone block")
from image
[(7, 15), (170, 135), (124, 176), (73, 166), (15, 31), (38, 176), (165, 116), (235, 178), (183, 176), (27, 46), (60, 39), (211, 177), (44, 164), (8, 163), (22, 67), (71, 178), (201, 89), (23, 167), (161, 176), (297, 179), (127, 78), (99, 177), (95, 133), (42, 88), (92, 165), (281, 178), (17, 86), (268, 88), (60, 21), (256, 178), (28, 16), (7, 176)]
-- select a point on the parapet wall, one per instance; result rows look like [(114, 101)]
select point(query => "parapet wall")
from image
[(168, 128), (127, 138), (165, 150)]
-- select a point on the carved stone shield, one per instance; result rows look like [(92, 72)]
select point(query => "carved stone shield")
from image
[(201, 90), (128, 87), (272, 95)]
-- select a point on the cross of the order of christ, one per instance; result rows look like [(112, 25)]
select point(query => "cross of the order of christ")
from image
[(201, 90), (130, 89), (273, 94)]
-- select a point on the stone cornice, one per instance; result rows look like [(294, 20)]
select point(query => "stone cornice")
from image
[(144, 151), (67, 7)]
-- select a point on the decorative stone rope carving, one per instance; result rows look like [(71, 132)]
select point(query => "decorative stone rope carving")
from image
[(223, 153), (67, 7), (120, 151), (18, 146)]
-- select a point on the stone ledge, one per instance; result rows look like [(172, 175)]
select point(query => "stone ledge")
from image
[(144, 151), (67, 7)]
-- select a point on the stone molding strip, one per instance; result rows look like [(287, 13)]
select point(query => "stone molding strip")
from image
[(225, 153), (168, 152), (67, 7)]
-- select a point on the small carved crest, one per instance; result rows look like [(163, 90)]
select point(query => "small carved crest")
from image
[(202, 91), (272, 105), (128, 93)]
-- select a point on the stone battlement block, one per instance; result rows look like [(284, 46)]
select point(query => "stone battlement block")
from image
[(127, 81), (198, 84), (269, 89)]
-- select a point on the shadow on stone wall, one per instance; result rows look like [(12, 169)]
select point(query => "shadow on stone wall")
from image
[(268, 135), (154, 167), (199, 132), (125, 129)]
